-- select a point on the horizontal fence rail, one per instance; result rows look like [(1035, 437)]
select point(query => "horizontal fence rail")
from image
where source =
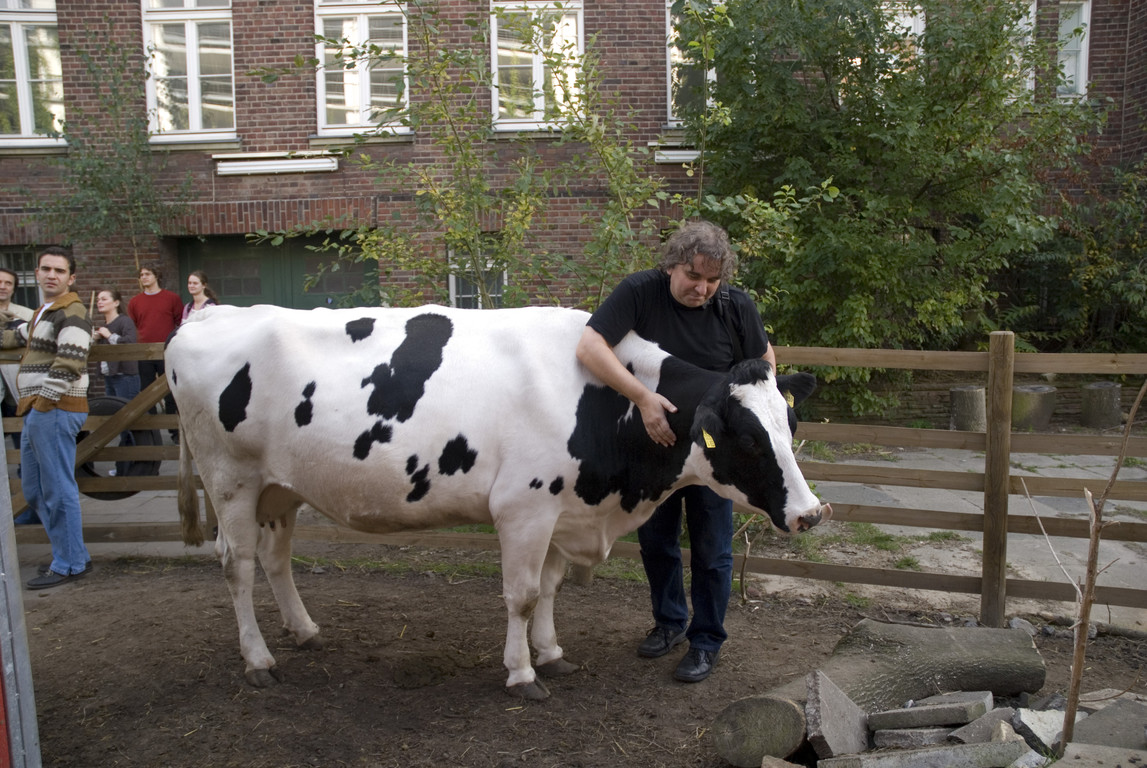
[(996, 481)]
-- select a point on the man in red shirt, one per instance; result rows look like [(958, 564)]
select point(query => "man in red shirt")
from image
[(156, 312)]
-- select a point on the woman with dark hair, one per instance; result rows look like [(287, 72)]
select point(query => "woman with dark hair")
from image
[(201, 293), (121, 377)]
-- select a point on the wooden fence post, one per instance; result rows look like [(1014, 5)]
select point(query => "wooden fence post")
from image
[(997, 462)]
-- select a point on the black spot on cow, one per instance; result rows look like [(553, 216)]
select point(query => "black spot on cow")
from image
[(379, 433), (360, 329), (399, 384), (457, 455), (235, 398), (536, 483), (305, 410), (557, 485), (421, 480), (616, 453), (412, 464), (174, 378)]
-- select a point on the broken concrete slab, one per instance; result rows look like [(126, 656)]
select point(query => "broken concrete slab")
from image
[(1120, 724), (998, 755), (1093, 701), (946, 709), (1089, 755), (1041, 729), (1032, 759), (980, 730), (1005, 732), (836, 725), (910, 738)]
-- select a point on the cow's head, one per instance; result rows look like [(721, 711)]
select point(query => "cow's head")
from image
[(745, 427)]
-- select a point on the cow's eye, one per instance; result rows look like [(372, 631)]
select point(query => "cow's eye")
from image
[(750, 444)]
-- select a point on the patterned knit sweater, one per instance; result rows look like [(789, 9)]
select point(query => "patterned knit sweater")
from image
[(54, 371)]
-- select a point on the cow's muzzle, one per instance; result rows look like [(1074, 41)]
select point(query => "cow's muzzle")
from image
[(823, 515)]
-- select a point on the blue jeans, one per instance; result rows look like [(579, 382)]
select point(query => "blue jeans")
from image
[(48, 458), (710, 522), (125, 385)]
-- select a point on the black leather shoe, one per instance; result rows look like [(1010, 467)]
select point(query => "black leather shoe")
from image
[(51, 579), (696, 665), (659, 642)]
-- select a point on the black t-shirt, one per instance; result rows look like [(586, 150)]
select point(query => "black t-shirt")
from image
[(643, 303)]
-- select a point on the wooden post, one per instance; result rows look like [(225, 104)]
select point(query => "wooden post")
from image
[(997, 460)]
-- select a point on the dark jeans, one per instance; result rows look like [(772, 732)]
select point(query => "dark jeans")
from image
[(149, 371), (709, 519)]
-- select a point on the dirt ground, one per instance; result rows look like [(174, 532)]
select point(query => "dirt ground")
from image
[(138, 665)]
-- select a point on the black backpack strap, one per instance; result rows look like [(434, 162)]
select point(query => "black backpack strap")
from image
[(725, 310)]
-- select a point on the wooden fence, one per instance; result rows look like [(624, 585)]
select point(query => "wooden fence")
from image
[(1000, 364)]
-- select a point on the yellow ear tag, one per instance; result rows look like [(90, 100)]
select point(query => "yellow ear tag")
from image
[(789, 399), (709, 441)]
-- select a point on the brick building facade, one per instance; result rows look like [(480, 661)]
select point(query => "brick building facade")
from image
[(244, 143)]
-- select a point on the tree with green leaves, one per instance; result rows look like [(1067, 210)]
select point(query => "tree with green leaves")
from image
[(925, 118), (112, 177)]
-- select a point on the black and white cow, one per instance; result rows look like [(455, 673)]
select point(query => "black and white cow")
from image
[(395, 419)]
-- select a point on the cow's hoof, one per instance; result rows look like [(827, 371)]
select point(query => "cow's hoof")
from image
[(535, 691), (264, 678), (313, 643), (557, 668)]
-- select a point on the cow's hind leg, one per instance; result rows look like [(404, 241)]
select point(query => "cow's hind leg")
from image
[(543, 633), (277, 511), (275, 557), (524, 551), (236, 547)]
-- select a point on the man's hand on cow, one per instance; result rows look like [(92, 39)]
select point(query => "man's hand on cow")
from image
[(653, 410)]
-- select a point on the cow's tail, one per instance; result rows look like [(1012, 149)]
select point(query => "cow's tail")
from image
[(188, 498)]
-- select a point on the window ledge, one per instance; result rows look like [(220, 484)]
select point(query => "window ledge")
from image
[(337, 143), (20, 148)]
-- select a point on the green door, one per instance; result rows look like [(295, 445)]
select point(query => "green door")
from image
[(244, 274)]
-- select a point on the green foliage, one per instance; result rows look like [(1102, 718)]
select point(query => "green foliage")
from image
[(1086, 290), (938, 147), (112, 177)]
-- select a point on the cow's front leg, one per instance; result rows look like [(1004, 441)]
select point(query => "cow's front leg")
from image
[(239, 536), (543, 633), (275, 557)]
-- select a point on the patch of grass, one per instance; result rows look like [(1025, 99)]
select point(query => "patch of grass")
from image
[(869, 535), (920, 424), (907, 563), (1132, 462), (1024, 467), (857, 601), (941, 537), (1119, 509), (816, 450), (808, 548)]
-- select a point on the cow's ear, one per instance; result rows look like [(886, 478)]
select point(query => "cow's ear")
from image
[(707, 427), (799, 385)]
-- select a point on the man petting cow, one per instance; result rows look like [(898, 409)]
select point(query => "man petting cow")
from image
[(682, 307)]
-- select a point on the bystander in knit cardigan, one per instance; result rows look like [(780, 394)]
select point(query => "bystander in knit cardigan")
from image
[(54, 371)]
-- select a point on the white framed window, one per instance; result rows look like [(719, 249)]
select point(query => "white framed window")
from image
[(464, 292), (31, 75), (356, 93), (1074, 20), (906, 21), (526, 88), (191, 88), (684, 82)]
